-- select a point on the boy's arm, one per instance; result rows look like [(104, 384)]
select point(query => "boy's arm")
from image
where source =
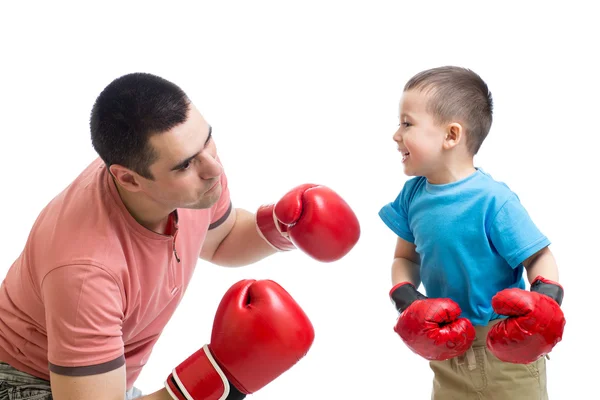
[(542, 264), (535, 320), (406, 264), (430, 327)]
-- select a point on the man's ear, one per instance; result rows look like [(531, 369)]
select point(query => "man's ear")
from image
[(125, 177), (454, 135)]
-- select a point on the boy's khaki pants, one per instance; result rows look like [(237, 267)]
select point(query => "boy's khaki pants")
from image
[(478, 374)]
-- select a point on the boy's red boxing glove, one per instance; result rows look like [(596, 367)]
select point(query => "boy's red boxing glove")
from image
[(534, 325), (430, 327)]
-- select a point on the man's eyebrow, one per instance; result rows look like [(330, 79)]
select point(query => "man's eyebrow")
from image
[(187, 160), (209, 135)]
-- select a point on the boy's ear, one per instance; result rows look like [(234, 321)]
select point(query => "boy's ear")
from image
[(454, 135)]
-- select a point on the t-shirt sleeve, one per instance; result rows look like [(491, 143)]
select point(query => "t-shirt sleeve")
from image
[(84, 313), (222, 208), (514, 235), (395, 215)]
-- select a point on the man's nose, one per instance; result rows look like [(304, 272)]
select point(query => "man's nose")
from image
[(209, 167)]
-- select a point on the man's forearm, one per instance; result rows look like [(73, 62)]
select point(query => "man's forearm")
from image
[(159, 395), (243, 245)]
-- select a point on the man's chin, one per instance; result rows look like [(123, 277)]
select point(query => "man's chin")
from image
[(206, 200)]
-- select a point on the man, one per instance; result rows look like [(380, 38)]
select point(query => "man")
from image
[(110, 257)]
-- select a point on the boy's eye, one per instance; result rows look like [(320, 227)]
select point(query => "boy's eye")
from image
[(185, 166), (405, 124)]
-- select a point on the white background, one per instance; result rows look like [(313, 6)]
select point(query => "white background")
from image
[(308, 92)]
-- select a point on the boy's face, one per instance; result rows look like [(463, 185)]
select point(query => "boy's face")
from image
[(420, 140)]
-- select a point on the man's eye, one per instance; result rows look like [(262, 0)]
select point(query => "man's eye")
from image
[(185, 166)]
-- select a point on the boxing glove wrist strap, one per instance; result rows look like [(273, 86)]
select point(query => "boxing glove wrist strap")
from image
[(270, 230), (550, 288), (404, 294), (199, 377)]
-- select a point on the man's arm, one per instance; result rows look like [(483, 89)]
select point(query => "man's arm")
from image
[(236, 242), (543, 264), (312, 218), (106, 386)]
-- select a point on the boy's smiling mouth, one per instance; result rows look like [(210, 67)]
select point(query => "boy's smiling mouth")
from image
[(404, 153)]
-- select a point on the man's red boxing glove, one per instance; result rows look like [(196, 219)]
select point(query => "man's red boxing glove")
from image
[(314, 219), (534, 325), (430, 327), (259, 332)]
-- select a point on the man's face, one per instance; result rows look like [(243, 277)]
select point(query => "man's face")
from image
[(187, 173)]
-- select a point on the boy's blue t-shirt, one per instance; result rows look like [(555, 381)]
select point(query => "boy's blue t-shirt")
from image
[(471, 235)]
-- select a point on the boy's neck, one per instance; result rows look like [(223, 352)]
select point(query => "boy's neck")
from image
[(452, 172)]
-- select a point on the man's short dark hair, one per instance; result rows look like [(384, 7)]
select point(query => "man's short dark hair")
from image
[(128, 112)]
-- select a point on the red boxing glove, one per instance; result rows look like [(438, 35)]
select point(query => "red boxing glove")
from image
[(534, 325), (431, 328), (312, 218), (259, 332)]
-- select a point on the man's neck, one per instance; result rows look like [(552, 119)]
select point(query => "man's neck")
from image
[(143, 210)]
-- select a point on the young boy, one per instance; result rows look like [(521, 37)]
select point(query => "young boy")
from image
[(468, 239)]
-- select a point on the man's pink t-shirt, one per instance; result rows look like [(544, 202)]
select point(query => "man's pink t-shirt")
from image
[(93, 289)]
